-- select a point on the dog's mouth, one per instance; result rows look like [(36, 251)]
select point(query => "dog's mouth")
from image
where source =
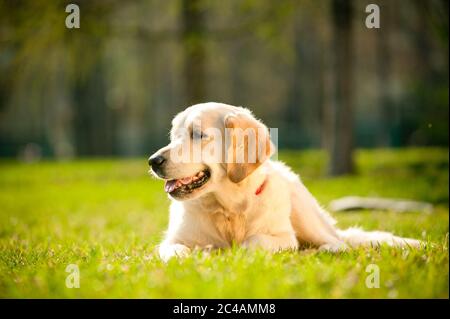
[(186, 185)]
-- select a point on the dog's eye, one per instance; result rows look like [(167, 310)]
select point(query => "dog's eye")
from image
[(198, 135)]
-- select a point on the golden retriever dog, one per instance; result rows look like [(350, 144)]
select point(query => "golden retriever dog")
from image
[(223, 199)]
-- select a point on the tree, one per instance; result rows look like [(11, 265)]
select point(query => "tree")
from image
[(383, 65), (194, 51), (339, 112)]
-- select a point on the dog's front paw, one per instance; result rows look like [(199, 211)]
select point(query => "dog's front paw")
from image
[(168, 251), (256, 241)]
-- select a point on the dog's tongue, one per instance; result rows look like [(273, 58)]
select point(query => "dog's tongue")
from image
[(170, 185)]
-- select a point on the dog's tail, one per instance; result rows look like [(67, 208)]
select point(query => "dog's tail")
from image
[(356, 237)]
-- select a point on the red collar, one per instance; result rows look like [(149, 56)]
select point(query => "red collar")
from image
[(261, 187)]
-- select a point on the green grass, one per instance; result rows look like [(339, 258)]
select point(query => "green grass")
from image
[(106, 216)]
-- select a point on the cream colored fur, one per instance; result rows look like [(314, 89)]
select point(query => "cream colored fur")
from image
[(283, 216)]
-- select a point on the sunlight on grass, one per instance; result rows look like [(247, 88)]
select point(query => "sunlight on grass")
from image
[(108, 215)]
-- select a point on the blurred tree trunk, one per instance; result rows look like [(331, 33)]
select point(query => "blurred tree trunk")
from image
[(291, 116), (383, 62), (338, 114), (194, 51), (93, 120)]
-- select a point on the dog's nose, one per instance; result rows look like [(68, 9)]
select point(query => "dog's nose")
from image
[(156, 161)]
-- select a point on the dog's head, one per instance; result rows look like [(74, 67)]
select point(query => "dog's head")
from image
[(210, 142)]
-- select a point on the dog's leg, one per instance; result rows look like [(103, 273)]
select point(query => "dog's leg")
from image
[(357, 237), (311, 223), (169, 250), (272, 243)]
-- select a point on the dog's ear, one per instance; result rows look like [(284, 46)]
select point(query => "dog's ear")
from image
[(247, 145)]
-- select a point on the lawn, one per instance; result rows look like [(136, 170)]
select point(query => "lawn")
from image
[(106, 216)]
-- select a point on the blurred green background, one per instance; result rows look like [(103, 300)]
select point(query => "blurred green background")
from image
[(112, 86)]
